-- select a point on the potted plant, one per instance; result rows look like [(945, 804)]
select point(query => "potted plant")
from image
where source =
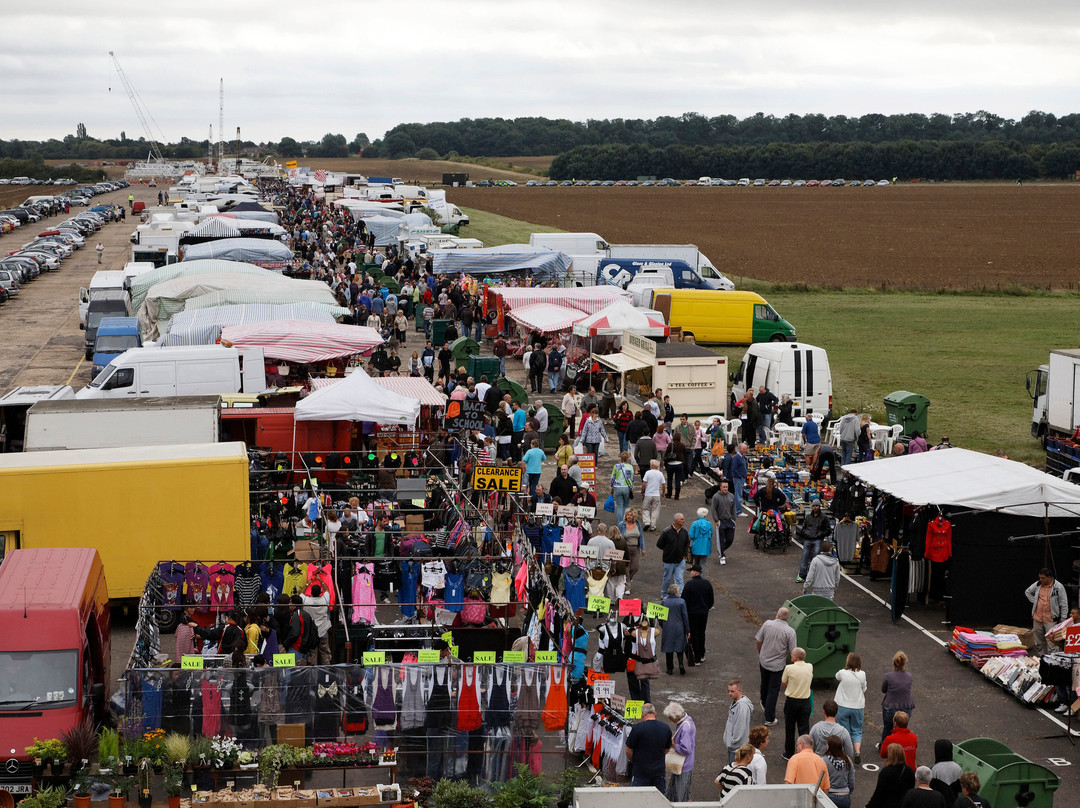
[(81, 787), (108, 750), (568, 781), (51, 751), (174, 783), (121, 785), (201, 752), (423, 788), (81, 742), (177, 748), (226, 751), (248, 760), (145, 772)]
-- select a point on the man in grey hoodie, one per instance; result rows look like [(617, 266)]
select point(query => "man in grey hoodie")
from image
[(824, 573)]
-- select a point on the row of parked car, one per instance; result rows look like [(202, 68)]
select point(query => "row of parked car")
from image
[(48, 249), (703, 182), (32, 181)]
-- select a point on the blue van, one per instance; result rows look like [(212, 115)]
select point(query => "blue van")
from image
[(114, 336)]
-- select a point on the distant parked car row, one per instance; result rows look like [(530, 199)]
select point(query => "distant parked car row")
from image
[(32, 181), (745, 182)]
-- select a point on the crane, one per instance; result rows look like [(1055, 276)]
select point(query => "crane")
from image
[(140, 110)]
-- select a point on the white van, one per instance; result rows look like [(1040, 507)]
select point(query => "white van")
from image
[(800, 370), (179, 371), (106, 283)]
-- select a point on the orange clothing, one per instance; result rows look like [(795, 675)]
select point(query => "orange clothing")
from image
[(805, 768), (907, 739)]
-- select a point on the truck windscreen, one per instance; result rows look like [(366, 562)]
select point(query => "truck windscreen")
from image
[(115, 343), (38, 679)]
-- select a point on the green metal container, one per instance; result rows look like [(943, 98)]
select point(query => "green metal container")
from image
[(556, 424), (1005, 777), (824, 630), (909, 409), (419, 316), (483, 366), (438, 332), (462, 348)]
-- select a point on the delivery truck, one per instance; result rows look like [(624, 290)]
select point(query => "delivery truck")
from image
[(135, 505), (728, 318), (16, 403), (54, 651), (195, 370), (104, 424), (589, 250), (1055, 416)]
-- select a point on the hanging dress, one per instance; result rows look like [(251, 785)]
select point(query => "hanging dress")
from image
[(455, 591), (527, 715), (410, 572), (574, 587), (468, 713), (555, 706), (363, 595), (383, 710), (412, 743)]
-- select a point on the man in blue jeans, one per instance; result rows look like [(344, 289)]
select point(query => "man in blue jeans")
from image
[(534, 461), (554, 368), (847, 431), (646, 747), (815, 527), (739, 468), (673, 544)]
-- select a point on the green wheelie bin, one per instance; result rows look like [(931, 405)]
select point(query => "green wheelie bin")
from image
[(1005, 777), (824, 630)]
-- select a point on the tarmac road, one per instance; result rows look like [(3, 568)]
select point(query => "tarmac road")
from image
[(41, 344)]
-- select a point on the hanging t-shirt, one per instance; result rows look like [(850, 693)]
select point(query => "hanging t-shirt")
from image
[(173, 576), (410, 571), (247, 585), (197, 580), (221, 590), (295, 578), (574, 589), (455, 591), (272, 579), (363, 594), (433, 575), (939, 539)]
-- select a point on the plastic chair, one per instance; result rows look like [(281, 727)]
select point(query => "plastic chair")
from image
[(818, 417), (732, 430), (831, 436)]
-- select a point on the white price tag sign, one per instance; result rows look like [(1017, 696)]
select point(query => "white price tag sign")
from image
[(585, 512), (585, 551), (562, 548), (545, 509), (566, 511), (618, 703), (603, 690), (614, 555)]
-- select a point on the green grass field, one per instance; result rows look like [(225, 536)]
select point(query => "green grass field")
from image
[(969, 354)]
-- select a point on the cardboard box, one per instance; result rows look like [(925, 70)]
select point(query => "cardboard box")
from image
[(305, 799), (292, 734), (366, 796), (337, 797), (389, 793), (1026, 635), (414, 522), (305, 550)]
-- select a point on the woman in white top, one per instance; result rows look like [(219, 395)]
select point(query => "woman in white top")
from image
[(851, 700), (759, 739)]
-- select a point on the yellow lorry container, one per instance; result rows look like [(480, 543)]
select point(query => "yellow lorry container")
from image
[(727, 317), (135, 505)]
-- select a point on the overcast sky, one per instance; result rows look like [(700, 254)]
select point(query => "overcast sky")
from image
[(348, 66)]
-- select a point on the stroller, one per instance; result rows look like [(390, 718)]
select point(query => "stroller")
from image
[(771, 532)]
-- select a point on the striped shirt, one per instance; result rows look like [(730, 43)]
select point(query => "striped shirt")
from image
[(734, 775)]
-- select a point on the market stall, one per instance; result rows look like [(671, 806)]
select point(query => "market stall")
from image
[(539, 263), (203, 326), (1003, 520)]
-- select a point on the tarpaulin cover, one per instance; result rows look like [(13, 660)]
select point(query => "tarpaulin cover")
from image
[(301, 340), (541, 263), (385, 229), (358, 398), (259, 251), (141, 283), (967, 479), (279, 296), (623, 316), (214, 228), (547, 318), (203, 326), (261, 215)]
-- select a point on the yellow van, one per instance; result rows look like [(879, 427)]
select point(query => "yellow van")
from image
[(730, 318)]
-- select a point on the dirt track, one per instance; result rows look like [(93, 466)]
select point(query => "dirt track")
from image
[(907, 236)]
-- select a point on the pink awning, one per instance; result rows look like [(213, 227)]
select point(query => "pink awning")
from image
[(589, 299), (299, 341), (409, 386), (547, 318)]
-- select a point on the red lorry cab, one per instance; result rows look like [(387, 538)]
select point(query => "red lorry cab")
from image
[(54, 649)]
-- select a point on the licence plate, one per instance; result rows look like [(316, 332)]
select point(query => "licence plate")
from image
[(17, 788)]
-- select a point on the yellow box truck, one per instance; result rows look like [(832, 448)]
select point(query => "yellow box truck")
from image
[(725, 317), (135, 505)]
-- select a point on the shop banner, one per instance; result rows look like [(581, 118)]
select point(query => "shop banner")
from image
[(496, 478), (657, 611), (465, 415), (629, 608), (587, 463), (1072, 640)]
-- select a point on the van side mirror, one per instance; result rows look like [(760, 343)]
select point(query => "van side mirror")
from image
[(82, 326), (731, 376)]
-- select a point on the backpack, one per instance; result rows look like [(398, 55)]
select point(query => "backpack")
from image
[(309, 639)]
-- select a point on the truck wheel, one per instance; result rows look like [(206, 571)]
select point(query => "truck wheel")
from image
[(168, 620), (89, 354), (777, 338)]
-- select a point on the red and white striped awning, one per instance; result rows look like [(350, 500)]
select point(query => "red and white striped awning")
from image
[(622, 316), (547, 318), (589, 299), (300, 341), (409, 386)]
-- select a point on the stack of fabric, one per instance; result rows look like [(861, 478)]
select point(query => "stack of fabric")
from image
[(979, 647)]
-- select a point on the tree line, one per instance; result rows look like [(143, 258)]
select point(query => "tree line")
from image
[(942, 160), (519, 137)]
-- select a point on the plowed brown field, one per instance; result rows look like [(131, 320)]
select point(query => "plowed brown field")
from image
[(907, 236)]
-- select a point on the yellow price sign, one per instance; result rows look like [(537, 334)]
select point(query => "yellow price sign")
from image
[(374, 657), (484, 657), (191, 663), (448, 638), (454, 651), (428, 656), (284, 660), (496, 478), (633, 709), (599, 604), (657, 611), (513, 656), (547, 656)]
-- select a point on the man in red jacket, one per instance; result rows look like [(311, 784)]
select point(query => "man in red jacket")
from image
[(903, 736)]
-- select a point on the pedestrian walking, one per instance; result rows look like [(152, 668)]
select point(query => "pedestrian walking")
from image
[(797, 679), (737, 728), (683, 743), (699, 598), (851, 701), (775, 641), (722, 510), (673, 544), (701, 535), (896, 685), (100, 249), (676, 630)]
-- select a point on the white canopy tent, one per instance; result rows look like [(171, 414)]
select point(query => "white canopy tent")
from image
[(358, 397), (973, 480), (622, 316)]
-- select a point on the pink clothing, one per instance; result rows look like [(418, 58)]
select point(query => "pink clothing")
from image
[(363, 594), (572, 535)]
